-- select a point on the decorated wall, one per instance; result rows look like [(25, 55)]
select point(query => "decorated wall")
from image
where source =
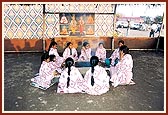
[(28, 21), (29, 27)]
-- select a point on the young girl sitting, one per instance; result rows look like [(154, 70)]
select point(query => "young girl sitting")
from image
[(96, 78), (46, 73), (121, 74), (101, 52), (71, 79), (85, 52), (115, 55), (70, 52), (53, 51), (53, 65)]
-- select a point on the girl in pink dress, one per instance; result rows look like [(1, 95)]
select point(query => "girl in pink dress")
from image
[(101, 52), (53, 51), (96, 78), (115, 54), (71, 80), (85, 52), (46, 73), (121, 74)]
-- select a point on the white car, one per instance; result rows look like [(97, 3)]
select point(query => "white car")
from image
[(135, 26), (121, 24)]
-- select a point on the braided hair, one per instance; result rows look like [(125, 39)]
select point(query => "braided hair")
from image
[(94, 60), (68, 63)]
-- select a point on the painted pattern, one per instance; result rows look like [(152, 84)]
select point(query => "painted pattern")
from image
[(26, 21)]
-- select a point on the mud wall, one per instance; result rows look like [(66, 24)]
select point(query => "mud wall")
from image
[(36, 45)]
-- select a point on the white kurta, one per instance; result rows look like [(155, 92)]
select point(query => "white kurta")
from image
[(59, 60), (46, 74), (101, 53), (115, 55), (122, 74), (75, 84), (53, 52), (101, 80), (85, 55), (66, 54)]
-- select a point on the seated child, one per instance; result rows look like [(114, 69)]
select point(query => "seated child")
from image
[(115, 55), (121, 74), (70, 51), (46, 73), (96, 78), (101, 52), (54, 66), (71, 79), (53, 51), (85, 52)]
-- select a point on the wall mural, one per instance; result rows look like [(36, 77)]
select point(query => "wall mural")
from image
[(26, 21), (76, 24)]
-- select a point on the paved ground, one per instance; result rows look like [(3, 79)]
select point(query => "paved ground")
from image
[(147, 95)]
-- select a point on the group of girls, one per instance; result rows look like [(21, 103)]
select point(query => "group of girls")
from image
[(96, 80)]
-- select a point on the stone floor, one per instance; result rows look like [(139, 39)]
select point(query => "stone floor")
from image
[(146, 95)]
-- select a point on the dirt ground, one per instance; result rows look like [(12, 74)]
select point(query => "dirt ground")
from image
[(146, 95)]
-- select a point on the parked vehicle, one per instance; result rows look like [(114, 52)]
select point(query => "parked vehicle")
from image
[(121, 24), (135, 26)]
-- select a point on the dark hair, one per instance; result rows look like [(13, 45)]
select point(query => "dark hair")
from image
[(125, 49), (52, 57), (68, 44), (101, 43), (44, 56), (68, 63), (121, 41), (52, 44), (85, 43), (94, 60)]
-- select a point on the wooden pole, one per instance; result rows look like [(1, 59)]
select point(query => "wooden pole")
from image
[(44, 29), (114, 26), (158, 38)]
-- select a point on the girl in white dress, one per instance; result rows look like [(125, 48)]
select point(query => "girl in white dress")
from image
[(121, 74), (71, 80), (96, 78), (70, 51)]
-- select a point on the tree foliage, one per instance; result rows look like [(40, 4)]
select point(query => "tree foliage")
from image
[(158, 19)]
